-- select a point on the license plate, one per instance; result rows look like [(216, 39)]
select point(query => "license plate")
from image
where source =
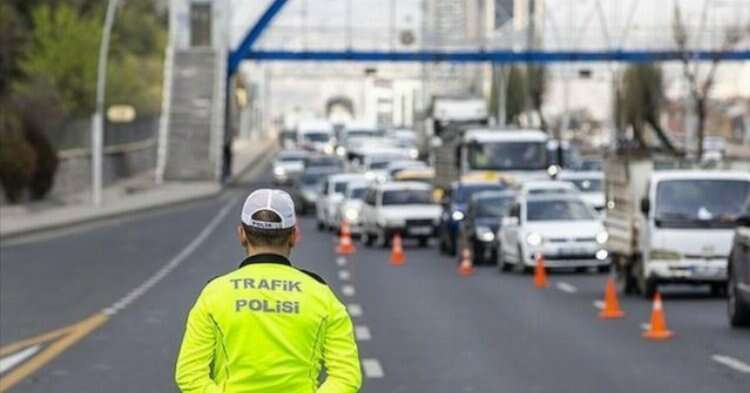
[(572, 251), (420, 230)]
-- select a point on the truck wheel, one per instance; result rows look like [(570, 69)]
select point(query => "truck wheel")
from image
[(625, 280), (737, 310), (646, 286)]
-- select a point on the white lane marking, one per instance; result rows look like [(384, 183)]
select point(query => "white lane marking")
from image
[(341, 261), (344, 275), (372, 368), (599, 304), (566, 287), (735, 364), (645, 326), (355, 310), (347, 290), (172, 264), (11, 361), (362, 333)]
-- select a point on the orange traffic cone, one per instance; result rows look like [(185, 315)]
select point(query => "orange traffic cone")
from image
[(397, 252), (611, 308), (466, 267), (540, 273), (345, 246), (657, 330)]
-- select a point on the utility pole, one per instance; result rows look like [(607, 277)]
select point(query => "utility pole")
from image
[(97, 123)]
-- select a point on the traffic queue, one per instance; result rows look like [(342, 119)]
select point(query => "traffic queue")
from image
[(504, 197)]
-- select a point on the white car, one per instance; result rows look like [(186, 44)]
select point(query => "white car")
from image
[(406, 208), (350, 209), (331, 195), (288, 165), (590, 184), (564, 229), (547, 187)]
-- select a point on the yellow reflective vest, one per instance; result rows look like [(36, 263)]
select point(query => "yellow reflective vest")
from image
[(268, 327)]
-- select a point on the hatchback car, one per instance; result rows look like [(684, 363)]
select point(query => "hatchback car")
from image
[(454, 210), (564, 229)]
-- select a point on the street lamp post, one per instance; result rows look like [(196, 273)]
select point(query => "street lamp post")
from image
[(97, 126)]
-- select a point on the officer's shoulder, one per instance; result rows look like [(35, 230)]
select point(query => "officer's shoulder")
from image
[(314, 276)]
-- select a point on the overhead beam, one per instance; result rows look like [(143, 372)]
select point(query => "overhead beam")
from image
[(499, 56), (236, 56)]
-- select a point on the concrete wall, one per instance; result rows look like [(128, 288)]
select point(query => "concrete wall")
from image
[(121, 162)]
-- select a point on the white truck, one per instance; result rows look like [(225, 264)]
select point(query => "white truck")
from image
[(512, 155), (670, 226)]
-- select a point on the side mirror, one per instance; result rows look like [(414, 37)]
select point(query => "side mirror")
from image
[(743, 220), (509, 221), (645, 206)]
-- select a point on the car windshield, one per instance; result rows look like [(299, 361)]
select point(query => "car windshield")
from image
[(317, 137), (558, 210), (491, 207), (363, 133), (322, 161), (407, 197), (339, 187), (699, 203), (508, 156), (590, 165), (291, 157), (464, 192), (588, 185), (311, 179), (357, 193), (379, 164)]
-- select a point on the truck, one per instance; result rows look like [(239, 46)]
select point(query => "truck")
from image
[(502, 154), (670, 223)]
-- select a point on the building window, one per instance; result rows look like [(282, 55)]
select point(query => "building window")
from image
[(200, 24)]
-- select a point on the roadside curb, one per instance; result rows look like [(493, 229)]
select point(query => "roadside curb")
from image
[(182, 199)]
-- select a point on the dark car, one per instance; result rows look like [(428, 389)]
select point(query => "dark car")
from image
[(306, 188), (739, 272), (478, 230), (454, 209)]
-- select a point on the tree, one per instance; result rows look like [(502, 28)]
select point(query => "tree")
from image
[(12, 40), (639, 103), (63, 49), (700, 87), (536, 80)]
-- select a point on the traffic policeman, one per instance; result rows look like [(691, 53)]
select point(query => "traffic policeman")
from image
[(268, 326)]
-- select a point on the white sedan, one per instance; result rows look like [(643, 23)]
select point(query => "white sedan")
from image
[(564, 229)]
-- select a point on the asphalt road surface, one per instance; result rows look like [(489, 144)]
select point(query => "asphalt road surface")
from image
[(121, 290)]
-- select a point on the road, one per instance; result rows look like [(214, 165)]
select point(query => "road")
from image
[(421, 327)]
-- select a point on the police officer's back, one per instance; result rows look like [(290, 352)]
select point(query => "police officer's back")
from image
[(267, 326)]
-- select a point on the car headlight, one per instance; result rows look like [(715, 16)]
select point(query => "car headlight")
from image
[(664, 254), (602, 237), (309, 196), (534, 239), (341, 151), (485, 234), (457, 215), (351, 214), (414, 153), (328, 149), (279, 171)]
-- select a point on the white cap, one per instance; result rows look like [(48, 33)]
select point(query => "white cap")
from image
[(276, 201)]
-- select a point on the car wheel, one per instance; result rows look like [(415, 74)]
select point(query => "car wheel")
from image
[(321, 226), (452, 246), (441, 243), (646, 286), (718, 290), (521, 266), (737, 310), (423, 241), (477, 254), (368, 238), (502, 263)]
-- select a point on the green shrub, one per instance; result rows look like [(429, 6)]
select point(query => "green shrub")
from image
[(17, 158)]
